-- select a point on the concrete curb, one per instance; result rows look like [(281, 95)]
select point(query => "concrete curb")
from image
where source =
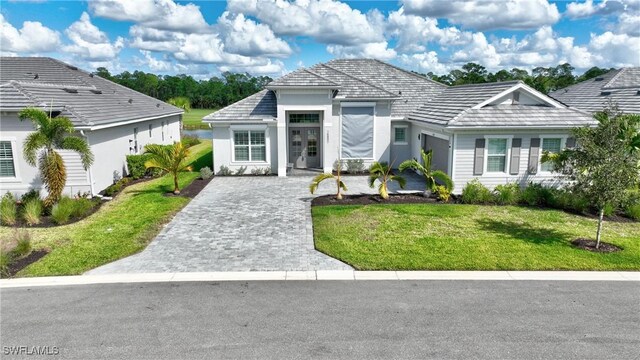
[(323, 275)]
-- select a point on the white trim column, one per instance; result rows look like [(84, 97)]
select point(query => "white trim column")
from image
[(282, 142)]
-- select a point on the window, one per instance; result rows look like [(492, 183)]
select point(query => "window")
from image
[(150, 128), (357, 132), (497, 155), (7, 167), (552, 145), (249, 145), (400, 135), (304, 118)]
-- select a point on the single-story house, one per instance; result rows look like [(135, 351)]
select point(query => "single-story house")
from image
[(373, 111), (620, 87), (115, 121)]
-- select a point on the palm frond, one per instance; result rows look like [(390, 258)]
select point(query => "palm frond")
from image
[(411, 164), (342, 185), (444, 178), (33, 143), (427, 158), (318, 179), (39, 118), (399, 179), (54, 175), (372, 179), (80, 146), (59, 128)]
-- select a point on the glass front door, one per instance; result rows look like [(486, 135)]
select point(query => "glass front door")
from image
[(304, 147)]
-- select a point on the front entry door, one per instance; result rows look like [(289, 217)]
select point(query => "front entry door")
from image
[(304, 147)]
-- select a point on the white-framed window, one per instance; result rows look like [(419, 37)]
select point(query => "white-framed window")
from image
[(552, 145), (400, 135), (249, 146), (497, 155), (7, 160)]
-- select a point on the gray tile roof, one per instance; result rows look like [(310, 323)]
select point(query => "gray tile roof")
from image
[(453, 100), (259, 106), (501, 116), (619, 87), (87, 100), (353, 87), (303, 77)]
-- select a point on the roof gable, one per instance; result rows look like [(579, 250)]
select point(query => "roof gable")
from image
[(302, 78)]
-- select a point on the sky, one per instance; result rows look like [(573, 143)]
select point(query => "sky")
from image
[(274, 37)]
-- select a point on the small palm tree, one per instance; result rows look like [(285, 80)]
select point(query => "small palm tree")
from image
[(170, 158), (381, 171), (429, 175), (40, 147), (182, 102), (321, 177)]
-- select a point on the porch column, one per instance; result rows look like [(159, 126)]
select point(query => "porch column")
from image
[(282, 143)]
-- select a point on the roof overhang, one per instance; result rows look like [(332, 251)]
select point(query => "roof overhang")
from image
[(270, 120), (296, 87), (93, 127)]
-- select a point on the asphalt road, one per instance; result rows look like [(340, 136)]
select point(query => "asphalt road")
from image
[(326, 319)]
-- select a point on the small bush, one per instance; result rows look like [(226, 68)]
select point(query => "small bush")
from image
[(609, 210), (476, 193), (224, 171), (633, 211), (508, 194), (23, 243), (31, 194), (5, 261), (266, 170), (61, 212), (355, 166), (537, 195), (443, 193), (189, 140), (241, 170), (205, 173), (82, 207), (32, 210), (579, 203), (112, 190), (8, 210)]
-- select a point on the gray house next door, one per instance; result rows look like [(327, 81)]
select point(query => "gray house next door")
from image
[(304, 147)]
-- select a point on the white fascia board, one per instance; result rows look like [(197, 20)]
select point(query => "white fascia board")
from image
[(127, 122)]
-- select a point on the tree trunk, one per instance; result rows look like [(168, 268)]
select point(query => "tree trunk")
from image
[(176, 188), (600, 216)]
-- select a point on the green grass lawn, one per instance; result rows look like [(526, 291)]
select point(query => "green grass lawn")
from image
[(120, 228), (194, 117), (468, 237)]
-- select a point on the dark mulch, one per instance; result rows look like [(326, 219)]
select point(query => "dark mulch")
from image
[(373, 199), (47, 222), (23, 262), (590, 245), (192, 189)]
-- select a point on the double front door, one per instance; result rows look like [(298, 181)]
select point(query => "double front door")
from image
[(304, 147)]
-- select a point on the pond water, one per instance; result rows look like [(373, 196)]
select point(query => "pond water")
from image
[(202, 133)]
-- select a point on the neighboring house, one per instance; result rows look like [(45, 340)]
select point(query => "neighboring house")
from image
[(115, 121), (619, 87), (370, 110)]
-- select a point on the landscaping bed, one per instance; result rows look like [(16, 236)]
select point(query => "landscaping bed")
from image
[(366, 199)]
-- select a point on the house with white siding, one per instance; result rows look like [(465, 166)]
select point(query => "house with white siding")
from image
[(369, 110), (114, 120)]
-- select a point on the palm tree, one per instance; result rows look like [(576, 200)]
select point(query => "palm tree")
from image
[(381, 171), (40, 147), (321, 177), (182, 102), (429, 175), (170, 158)]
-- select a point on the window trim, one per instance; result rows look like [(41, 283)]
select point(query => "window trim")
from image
[(375, 115), (563, 145), (507, 160), (249, 129), (406, 134), (16, 169)]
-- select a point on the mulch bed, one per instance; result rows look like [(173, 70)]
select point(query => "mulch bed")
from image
[(47, 222), (590, 245), (373, 199), (192, 189), (22, 263)]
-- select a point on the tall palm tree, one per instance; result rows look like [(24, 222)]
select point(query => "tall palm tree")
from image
[(182, 102), (40, 147), (381, 171), (340, 185), (429, 175), (170, 158)]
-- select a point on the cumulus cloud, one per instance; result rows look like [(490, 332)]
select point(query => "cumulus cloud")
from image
[(478, 50), (154, 64), (576, 10), (33, 37), (425, 62), (151, 39), (487, 15), (245, 37), (368, 50), (89, 42)]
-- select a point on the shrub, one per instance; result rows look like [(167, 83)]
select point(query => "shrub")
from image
[(189, 140), (476, 193), (32, 211), (537, 195), (82, 207), (5, 261), (355, 166), (205, 173), (443, 193), (579, 203), (8, 209), (508, 194), (112, 190), (633, 211), (23, 243), (608, 210), (241, 170), (224, 171), (266, 170), (31, 194), (631, 204), (61, 212)]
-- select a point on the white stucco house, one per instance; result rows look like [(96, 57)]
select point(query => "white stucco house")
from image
[(370, 110), (116, 121)]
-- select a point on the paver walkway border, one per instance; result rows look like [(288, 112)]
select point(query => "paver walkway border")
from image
[(323, 275)]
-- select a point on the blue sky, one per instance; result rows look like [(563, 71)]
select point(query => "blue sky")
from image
[(204, 38)]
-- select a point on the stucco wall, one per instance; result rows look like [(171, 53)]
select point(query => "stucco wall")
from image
[(223, 147), (400, 152)]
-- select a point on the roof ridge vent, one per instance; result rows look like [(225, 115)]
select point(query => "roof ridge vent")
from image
[(70, 90), (605, 93), (72, 67), (96, 91)]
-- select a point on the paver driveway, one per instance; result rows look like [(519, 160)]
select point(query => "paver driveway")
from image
[(241, 224)]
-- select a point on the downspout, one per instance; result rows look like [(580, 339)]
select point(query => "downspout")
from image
[(90, 167)]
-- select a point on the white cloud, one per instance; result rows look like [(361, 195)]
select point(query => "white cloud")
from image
[(425, 62), (155, 64), (629, 24), (89, 42), (33, 37), (368, 50), (245, 37), (478, 50), (576, 10), (615, 50), (158, 14), (276, 68), (485, 15), (146, 38)]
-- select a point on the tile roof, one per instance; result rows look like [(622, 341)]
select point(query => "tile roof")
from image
[(303, 77), (353, 87), (87, 99), (620, 87), (259, 106), (522, 116)]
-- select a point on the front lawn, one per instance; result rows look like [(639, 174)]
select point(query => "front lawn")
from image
[(121, 227), (193, 118), (468, 237)]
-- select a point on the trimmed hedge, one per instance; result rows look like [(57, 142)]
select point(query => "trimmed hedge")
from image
[(137, 170)]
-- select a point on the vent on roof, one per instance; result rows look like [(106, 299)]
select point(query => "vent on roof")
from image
[(90, 74), (599, 79), (72, 67), (130, 101), (638, 93), (158, 105), (605, 93), (36, 76), (96, 91), (70, 91)]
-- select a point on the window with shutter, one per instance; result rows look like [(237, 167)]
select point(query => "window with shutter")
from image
[(7, 165)]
